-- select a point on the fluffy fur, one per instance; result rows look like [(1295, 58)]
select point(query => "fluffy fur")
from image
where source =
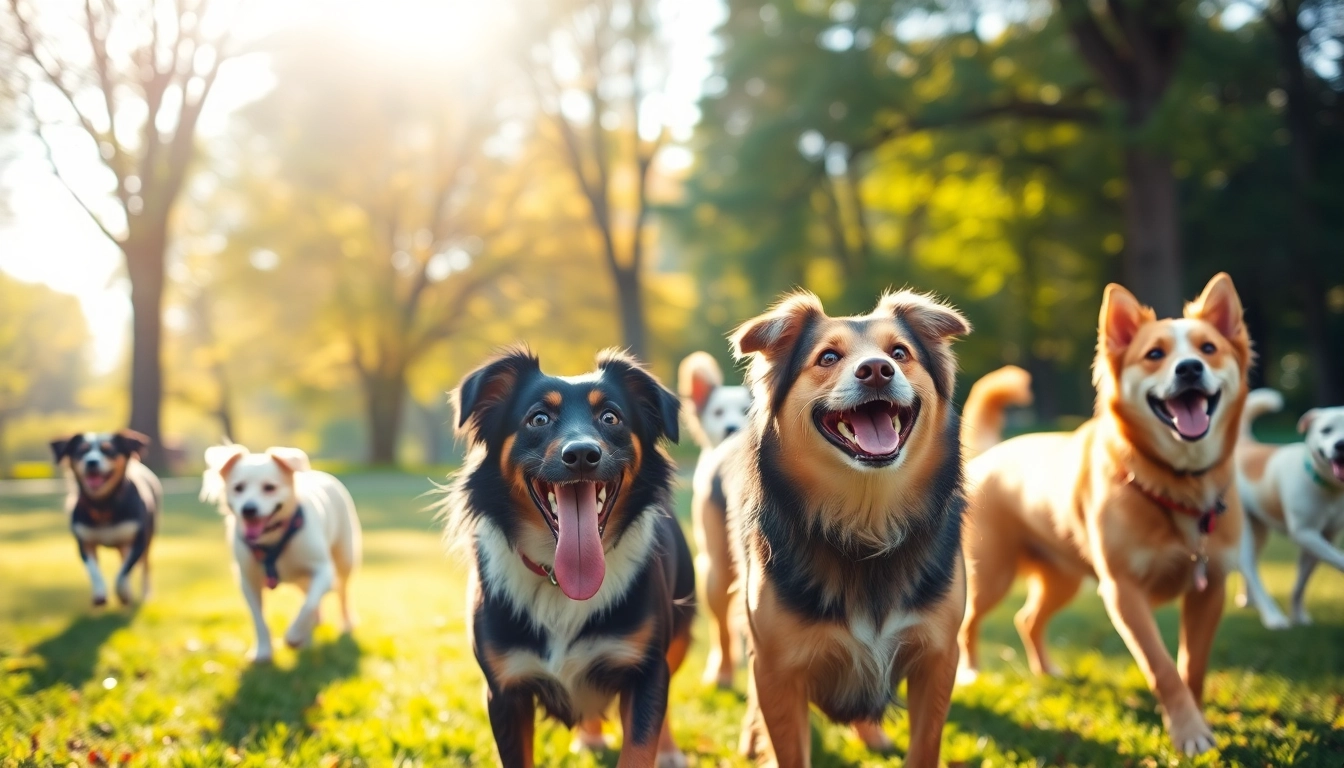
[(1121, 498), (544, 630), (846, 526), (715, 413), (114, 501), (1295, 489), (259, 494)]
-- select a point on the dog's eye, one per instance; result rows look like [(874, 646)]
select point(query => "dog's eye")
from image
[(1326, 430), (238, 488), (1208, 348), (1155, 353), (828, 358), (539, 420), (900, 354), (610, 418), (268, 488), (718, 411)]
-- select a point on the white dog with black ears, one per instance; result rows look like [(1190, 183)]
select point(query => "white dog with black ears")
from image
[(286, 523)]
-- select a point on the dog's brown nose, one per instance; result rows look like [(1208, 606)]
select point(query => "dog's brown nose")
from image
[(875, 372)]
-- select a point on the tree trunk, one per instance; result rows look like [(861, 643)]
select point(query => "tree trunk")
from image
[(1151, 263), (144, 265), (384, 396), (630, 298)]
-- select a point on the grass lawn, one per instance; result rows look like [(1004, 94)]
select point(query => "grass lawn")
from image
[(168, 685)]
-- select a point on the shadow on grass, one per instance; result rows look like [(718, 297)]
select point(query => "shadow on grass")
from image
[(69, 657), (268, 696), (1299, 654), (1008, 734)]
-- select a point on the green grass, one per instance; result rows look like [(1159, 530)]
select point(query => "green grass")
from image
[(167, 684)]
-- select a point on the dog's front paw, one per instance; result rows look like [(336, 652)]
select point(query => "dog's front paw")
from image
[(967, 675), (1193, 736), (259, 656), (672, 759), (124, 591), (1274, 620), (99, 600)]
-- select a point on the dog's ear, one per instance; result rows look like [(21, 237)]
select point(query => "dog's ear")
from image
[(221, 458), (483, 393), (697, 378), (62, 446), (130, 442), (1304, 423), (290, 459), (1121, 317), (1220, 306), (935, 324), (774, 332), (658, 408)]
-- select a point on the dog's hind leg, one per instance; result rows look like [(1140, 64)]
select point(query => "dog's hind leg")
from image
[(1253, 592), (1048, 590), (1306, 563), (989, 575), (714, 566)]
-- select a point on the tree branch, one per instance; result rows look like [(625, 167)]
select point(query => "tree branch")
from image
[(1097, 50), (56, 171)]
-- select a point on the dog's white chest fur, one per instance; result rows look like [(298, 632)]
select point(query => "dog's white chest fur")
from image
[(115, 535), (567, 659)]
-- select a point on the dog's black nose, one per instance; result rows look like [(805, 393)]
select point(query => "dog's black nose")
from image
[(581, 455), (249, 510), (91, 464), (1190, 370), (729, 430), (875, 372), (1339, 447)]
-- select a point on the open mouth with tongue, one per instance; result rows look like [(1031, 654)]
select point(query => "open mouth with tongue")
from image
[(872, 433), (94, 480), (255, 528), (1187, 412), (577, 514)]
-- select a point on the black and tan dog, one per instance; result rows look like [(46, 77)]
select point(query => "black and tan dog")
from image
[(583, 586), (847, 502), (113, 502)]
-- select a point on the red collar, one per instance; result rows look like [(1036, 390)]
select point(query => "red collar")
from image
[(1207, 518), (536, 568)]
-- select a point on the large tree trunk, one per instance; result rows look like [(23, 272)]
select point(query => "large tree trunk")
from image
[(384, 397), (630, 297), (1151, 263), (144, 265)]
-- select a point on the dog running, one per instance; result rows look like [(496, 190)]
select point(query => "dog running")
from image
[(114, 501), (1296, 489), (715, 413), (582, 588), (846, 501), (1141, 496), (285, 523)]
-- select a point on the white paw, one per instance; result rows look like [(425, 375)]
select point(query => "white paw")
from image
[(967, 675), (1243, 600), (672, 760), (1198, 746), (1194, 737), (259, 656), (1302, 618), (1275, 620)]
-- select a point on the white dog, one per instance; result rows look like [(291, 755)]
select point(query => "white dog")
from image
[(285, 522), (1296, 489), (714, 413)]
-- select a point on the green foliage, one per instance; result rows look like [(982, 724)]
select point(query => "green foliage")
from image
[(404, 690)]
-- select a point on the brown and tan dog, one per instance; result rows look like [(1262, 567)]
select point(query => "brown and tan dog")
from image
[(845, 498), (1141, 496)]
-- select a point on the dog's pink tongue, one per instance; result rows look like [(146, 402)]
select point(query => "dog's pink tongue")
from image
[(579, 563), (1338, 468), (1190, 413), (252, 529), (873, 432)]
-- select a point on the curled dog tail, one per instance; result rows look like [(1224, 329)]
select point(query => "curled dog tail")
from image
[(1258, 403), (982, 417)]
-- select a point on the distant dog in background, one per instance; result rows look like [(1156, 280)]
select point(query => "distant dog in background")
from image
[(1296, 489), (286, 523), (114, 502), (715, 413)]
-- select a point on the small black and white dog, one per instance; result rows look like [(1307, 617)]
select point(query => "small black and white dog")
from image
[(114, 502), (582, 588)]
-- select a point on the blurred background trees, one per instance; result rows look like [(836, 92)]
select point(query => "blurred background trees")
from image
[(390, 206)]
